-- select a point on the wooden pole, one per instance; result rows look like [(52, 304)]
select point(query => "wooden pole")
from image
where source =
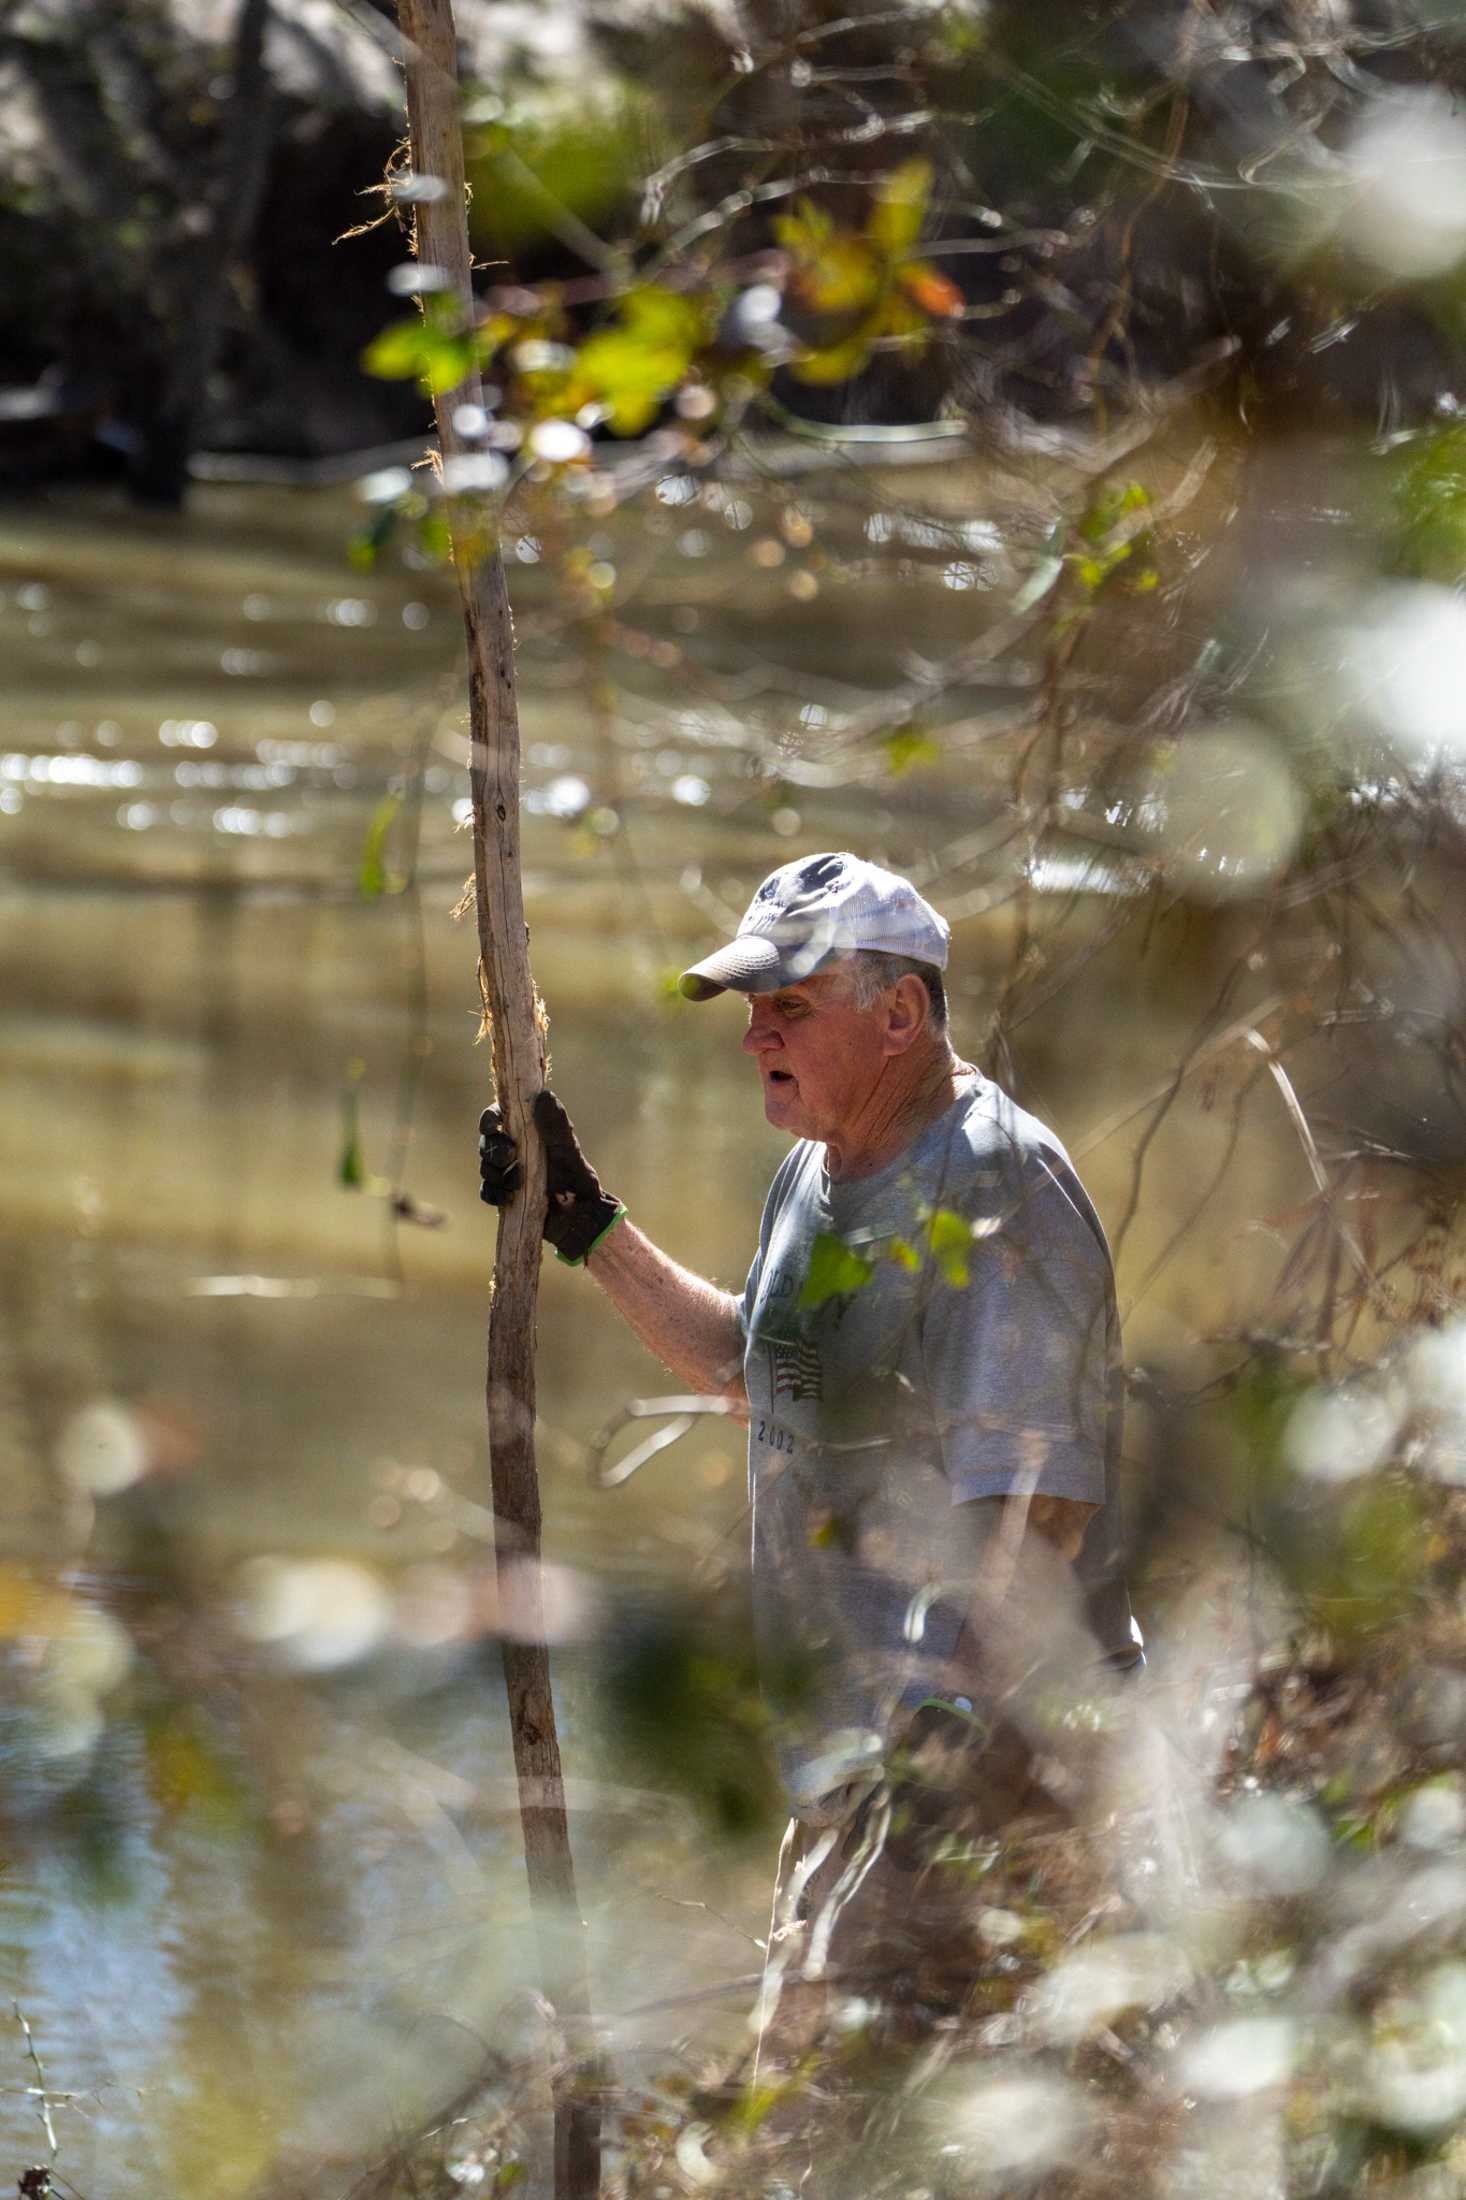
[(518, 1039)]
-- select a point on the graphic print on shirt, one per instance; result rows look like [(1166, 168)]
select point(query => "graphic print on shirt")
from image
[(795, 1371)]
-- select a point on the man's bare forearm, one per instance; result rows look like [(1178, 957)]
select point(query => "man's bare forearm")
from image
[(689, 1324)]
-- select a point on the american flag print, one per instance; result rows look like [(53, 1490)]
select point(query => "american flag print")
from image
[(796, 1369)]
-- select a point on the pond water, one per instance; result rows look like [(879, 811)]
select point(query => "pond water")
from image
[(261, 1903)]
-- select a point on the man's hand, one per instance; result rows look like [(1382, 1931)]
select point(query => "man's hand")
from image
[(500, 1174), (578, 1213)]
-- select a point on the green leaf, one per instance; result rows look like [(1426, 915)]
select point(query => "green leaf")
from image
[(450, 360), (895, 220), (1428, 492), (908, 746), (659, 316), (833, 1531), (631, 379), (905, 1255), (753, 2107), (372, 876), (837, 363), (835, 1271), (395, 353), (845, 278), (633, 366), (185, 1770), (367, 545), (431, 348), (434, 537), (350, 1171), (492, 334), (1093, 572), (805, 231), (950, 1237), (1106, 510)]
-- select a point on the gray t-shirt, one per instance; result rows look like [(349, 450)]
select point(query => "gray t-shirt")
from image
[(941, 1331)]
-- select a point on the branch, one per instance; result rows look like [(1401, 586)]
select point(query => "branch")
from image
[(517, 1031), (43, 2096)]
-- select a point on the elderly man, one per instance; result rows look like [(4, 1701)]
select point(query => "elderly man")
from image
[(926, 1353)]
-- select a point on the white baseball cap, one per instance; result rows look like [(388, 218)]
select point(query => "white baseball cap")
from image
[(810, 913)]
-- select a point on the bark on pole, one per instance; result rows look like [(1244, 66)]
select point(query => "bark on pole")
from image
[(518, 1038)]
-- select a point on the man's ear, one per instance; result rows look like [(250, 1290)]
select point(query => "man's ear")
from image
[(908, 1011)]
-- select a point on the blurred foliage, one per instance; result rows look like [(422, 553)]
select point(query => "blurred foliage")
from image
[(1358, 1564), (433, 349), (950, 1236), (552, 152), (351, 1172), (624, 372), (1427, 506), (1114, 535), (187, 1771), (1040, 197), (854, 290), (835, 1270), (908, 747), (868, 287), (688, 1710), (373, 875)]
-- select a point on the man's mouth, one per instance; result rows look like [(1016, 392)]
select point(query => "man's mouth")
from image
[(781, 1076)]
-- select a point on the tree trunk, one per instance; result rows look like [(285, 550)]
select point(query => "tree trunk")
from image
[(518, 1038), (206, 266)]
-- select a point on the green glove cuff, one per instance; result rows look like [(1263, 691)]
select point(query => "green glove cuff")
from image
[(566, 1260), (957, 1707)]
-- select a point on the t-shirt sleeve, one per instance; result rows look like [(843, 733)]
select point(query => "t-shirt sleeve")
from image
[(784, 1177), (750, 1292), (1018, 1358)]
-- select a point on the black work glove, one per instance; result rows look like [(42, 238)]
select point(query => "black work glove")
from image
[(578, 1213)]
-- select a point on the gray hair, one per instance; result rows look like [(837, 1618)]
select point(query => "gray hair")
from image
[(872, 974)]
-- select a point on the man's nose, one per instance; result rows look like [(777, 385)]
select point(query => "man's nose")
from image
[(762, 1032)]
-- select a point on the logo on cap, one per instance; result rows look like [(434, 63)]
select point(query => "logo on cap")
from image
[(822, 872)]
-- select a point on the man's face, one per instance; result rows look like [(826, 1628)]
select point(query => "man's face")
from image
[(818, 1055)]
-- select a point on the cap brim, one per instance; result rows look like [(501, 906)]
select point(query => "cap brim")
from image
[(748, 965), (752, 964)]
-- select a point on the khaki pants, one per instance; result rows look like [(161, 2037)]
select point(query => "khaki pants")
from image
[(882, 1910), (854, 1938)]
